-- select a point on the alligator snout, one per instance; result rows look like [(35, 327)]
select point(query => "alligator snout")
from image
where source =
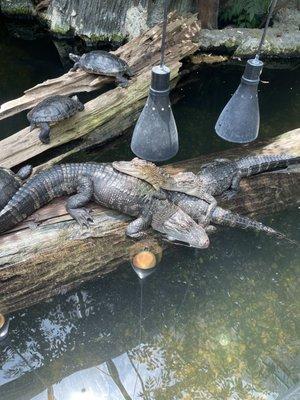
[(181, 229), (202, 244)]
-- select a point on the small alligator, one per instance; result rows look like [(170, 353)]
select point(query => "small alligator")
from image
[(221, 176), (101, 183), (129, 195), (184, 182)]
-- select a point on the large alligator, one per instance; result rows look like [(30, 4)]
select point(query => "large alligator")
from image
[(132, 196), (101, 183)]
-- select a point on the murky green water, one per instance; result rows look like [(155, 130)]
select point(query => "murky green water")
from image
[(215, 324)]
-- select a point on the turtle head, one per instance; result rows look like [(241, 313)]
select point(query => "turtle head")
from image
[(74, 57), (80, 106), (24, 172)]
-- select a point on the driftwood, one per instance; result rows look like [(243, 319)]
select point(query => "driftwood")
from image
[(58, 255), (141, 53), (111, 113)]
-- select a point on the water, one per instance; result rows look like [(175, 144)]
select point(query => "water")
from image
[(216, 324)]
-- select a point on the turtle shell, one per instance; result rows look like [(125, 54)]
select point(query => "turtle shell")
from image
[(103, 63), (53, 109), (9, 185)]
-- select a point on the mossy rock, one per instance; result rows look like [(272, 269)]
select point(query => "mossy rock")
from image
[(17, 7)]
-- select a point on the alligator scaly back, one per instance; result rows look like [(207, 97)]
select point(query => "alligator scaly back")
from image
[(38, 191), (255, 164)]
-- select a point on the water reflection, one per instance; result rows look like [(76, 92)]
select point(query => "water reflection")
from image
[(145, 257), (219, 324)]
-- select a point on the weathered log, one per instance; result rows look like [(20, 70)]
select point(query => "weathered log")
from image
[(39, 263), (141, 53)]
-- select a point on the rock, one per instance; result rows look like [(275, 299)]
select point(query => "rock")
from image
[(243, 42)]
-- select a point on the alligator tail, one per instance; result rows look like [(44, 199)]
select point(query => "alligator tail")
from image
[(228, 218), (255, 164)]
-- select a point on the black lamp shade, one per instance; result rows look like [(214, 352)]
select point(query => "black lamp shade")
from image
[(155, 136), (239, 120)]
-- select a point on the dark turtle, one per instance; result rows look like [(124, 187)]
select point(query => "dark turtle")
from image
[(102, 63), (50, 110), (10, 183)]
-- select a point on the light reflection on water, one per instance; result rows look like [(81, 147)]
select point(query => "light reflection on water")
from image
[(217, 324)]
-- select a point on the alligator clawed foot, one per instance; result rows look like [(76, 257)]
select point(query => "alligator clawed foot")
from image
[(205, 221), (229, 195), (136, 235), (83, 217), (33, 225)]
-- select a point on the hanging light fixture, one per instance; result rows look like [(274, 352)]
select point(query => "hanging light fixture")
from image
[(239, 120), (155, 136)]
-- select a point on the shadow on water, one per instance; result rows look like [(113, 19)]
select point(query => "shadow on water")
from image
[(216, 324)]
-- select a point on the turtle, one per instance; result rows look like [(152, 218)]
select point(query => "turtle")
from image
[(103, 63), (50, 110), (10, 183), (161, 181)]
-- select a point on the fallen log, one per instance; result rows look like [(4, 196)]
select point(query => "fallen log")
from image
[(38, 263), (111, 113), (237, 42), (141, 54)]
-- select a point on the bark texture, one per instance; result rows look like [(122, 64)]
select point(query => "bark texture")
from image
[(112, 20)]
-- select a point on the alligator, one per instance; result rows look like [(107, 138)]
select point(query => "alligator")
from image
[(219, 177), (223, 176), (102, 184), (184, 182), (173, 217)]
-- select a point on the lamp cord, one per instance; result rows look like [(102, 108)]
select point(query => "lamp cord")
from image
[(164, 33), (262, 40)]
